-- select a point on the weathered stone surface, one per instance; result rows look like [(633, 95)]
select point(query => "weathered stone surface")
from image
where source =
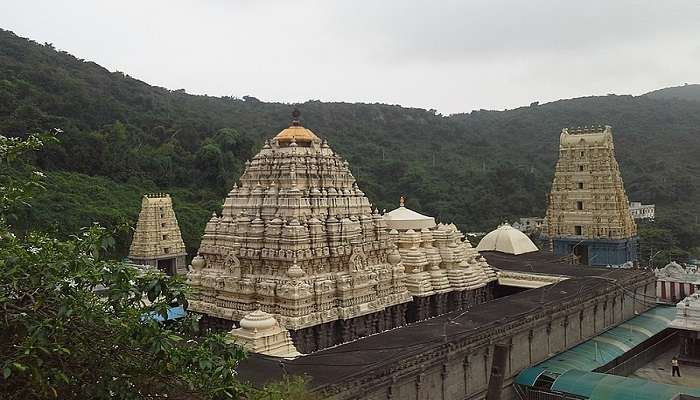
[(157, 236), (261, 333), (297, 239), (588, 212)]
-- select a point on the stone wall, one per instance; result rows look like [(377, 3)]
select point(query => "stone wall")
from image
[(460, 368)]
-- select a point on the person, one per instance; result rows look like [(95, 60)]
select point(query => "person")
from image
[(674, 365)]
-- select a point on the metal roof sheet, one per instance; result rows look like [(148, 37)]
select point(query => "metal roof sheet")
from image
[(597, 386), (611, 344), (529, 376)]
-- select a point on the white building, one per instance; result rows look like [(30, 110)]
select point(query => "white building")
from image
[(642, 211)]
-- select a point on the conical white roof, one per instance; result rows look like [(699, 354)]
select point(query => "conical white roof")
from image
[(506, 239), (403, 219)]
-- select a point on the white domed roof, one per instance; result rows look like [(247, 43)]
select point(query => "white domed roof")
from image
[(403, 219), (258, 320), (506, 239)]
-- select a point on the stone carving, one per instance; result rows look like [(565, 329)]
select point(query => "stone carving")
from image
[(261, 333), (232, 264), (588, 210), (157, 240), (298, 239), (436, 256), (358, 259)]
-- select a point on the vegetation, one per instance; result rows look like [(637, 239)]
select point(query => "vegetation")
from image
[(122, 137), (62, 339), (685, 92)]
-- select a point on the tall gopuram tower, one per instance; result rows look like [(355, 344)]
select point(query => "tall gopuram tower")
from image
[(157, 240), (588, 213), (298, 240)]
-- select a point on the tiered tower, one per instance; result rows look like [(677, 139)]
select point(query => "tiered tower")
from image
[(157, 239), (588, 213), (443, 271), (299, 240)]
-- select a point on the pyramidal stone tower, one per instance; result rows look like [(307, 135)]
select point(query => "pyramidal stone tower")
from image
[(157, 240), (588, 214), (299, 240)]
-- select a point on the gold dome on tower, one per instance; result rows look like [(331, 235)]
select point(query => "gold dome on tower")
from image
[(296, 133)]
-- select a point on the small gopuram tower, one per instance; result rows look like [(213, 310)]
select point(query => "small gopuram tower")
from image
[(298, 240), (157, 239), (588, 214)]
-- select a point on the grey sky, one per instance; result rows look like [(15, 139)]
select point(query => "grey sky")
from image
[(453, 56)]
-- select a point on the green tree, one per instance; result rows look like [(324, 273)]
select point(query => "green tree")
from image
[(78, 326)]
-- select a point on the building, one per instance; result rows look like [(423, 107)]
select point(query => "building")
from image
[(157, 240), (467, 354), (688, 324), (605, 367), (529, 224), (443, 271), (299, 240), (588, 214), (674, 282), (642, 211)]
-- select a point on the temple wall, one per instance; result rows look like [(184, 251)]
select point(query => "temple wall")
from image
[(462, 370)]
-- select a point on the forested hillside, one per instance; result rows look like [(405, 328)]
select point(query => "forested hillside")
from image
[(122, 138), (685, 92)]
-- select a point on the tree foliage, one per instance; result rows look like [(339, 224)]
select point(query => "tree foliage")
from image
[(76, 325), (123, 137)]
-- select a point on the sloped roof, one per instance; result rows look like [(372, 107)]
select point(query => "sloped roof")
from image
[(506, 239), (403, 218), (598, 386)]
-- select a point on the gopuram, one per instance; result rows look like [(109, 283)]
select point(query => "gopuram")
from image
[(588, 215), (299, 240), (157, 240)]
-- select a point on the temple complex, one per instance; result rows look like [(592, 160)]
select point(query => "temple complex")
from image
[(157, 240), (588, 214), (299, 240)]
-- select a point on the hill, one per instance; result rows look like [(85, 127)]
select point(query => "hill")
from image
[(122, 137), (685, 92)]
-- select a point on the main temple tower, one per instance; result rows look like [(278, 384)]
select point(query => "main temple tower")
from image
[(588, 214), (299, 240)]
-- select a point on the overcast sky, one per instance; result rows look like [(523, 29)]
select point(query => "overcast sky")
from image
[(453, 56)]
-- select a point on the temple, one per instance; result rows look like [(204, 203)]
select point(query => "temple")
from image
[(157, 240), (588, 214), (299, 240)]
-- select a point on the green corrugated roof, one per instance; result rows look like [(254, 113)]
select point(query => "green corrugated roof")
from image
[(597, 386), (573, 368), (612, 343), (529, 376)]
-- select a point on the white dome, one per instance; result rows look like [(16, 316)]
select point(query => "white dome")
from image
[(506, 239), (403, 219), (258, 320)]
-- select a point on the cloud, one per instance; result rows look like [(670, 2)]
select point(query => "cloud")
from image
[(451, 55)]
